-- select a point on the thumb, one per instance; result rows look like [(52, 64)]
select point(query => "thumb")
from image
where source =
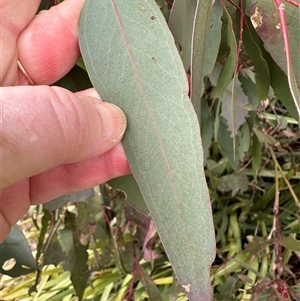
[(43, 127)]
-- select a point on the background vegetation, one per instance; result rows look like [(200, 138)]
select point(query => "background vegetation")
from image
[(92, 245)]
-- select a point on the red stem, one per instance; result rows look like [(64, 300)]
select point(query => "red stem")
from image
[(234, 4), (239, 46), (280, 7), (293, 2)]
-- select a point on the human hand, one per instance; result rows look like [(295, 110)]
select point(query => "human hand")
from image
[(52, 141)]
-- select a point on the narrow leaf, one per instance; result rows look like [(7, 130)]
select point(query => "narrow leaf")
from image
[(76, 254), (256, 156), (153, 293), (234, 103), (132, 61), (163, 5), (205, 46), (263, 79), (181, 24), (230, 63)]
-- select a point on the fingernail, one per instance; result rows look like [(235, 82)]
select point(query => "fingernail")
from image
[(114, 121)]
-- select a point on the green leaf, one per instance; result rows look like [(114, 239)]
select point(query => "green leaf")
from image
[(76, 80), (279, 80), (207, 130), (76, 254), (45, 4), (226, 143), (54, 253), (290, 243), (87, 213), (16, 246), (133, 194), (46, 220), (153, 293), (73, 197), (264, 137), (270, 31), (181, 24), (263, 79), (217, 168), (162, 4), (205, 46), (234, 183), (234, 109), (256, 155), (228, 69), (234, 102), (269, 28), (247, 79), (132, 61), (213, 38)]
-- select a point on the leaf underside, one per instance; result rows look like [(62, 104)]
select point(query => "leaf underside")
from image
[(132, 61)]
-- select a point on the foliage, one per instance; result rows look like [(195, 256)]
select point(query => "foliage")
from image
[(242, 63)]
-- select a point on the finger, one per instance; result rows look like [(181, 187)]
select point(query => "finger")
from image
[(43, 127), (78, 176), (15, 15), (48, 47), (59, 181), (5, 228), (14, 204)]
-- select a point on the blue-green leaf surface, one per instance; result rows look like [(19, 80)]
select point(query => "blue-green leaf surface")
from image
[(132, 61)]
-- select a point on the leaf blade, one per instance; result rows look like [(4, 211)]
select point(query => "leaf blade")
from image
[(140, 70)]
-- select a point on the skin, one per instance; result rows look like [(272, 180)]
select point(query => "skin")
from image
[(52, 141)]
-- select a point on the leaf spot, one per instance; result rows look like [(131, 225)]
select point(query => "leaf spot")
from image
[(256, 19), (153, 17), (186, 287), (141, 7)]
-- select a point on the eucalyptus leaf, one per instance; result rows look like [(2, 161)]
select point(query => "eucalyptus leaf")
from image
[(73, 197), (234, 107), (75, 80), (133, 194), (205, 46), (228, 69), (132, 61), (16, 246), (152, 290), (265, 18), (290, 243), (181, 24), (263, 79), (75, 252), (279, 80), (270, 31)]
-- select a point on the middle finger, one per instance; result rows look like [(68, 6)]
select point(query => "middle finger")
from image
[(48, 47)]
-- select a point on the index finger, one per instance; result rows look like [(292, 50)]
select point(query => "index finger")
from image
[(48, 46), (15, 15)]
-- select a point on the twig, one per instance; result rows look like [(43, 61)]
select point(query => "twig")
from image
[(294, 90), (234, 4), (292, 2)]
